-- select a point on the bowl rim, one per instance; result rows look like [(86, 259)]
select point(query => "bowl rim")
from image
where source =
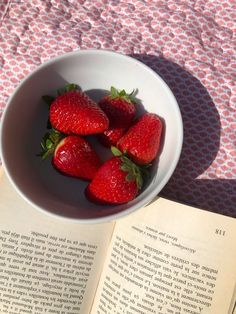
[(143, 202)]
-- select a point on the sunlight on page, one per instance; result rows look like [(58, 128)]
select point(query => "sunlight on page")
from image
[(1, 172), (169, 258), (47, 265)]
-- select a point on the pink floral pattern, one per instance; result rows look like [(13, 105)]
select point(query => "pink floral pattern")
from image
[(190, 43)]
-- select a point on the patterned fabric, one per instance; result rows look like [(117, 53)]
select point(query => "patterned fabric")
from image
[(191, 44)]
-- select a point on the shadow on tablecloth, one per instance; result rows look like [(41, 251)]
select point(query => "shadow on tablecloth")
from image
[(193, 181)]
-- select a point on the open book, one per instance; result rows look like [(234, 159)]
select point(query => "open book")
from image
[(165, 258)]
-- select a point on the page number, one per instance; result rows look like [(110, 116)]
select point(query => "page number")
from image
[(220, 232)]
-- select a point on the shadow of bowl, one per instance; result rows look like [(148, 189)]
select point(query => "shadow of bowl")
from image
[(202, 128)]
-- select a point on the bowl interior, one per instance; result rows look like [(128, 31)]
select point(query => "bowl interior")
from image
[(24, 124)]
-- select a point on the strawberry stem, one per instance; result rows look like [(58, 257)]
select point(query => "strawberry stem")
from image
[(134, 172), (116, 152), (115, 93), (49, 143), (68, 88)]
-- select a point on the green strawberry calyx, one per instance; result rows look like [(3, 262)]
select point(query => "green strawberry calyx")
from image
[(49, 143), (68, 88), (115, 93), (134, 172)]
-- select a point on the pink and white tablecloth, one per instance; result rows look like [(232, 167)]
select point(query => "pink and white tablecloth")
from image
[(191, 44)]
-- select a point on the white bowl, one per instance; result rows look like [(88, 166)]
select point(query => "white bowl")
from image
[(24, 124)]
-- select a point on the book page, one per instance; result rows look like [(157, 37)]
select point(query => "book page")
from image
[(233, 305), (47, 265), (169, 258)]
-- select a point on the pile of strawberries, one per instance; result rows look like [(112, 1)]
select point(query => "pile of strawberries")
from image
[(134, 142)]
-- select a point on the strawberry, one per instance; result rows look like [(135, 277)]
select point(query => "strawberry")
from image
[(142, 140), (120, 109), (72, 155), (48, 99), (74, 112), (117, 181)]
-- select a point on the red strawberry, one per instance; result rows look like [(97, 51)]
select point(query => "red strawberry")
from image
[(74, 112), (72, 155), (117, 181), (142, 140), (120, 109)]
